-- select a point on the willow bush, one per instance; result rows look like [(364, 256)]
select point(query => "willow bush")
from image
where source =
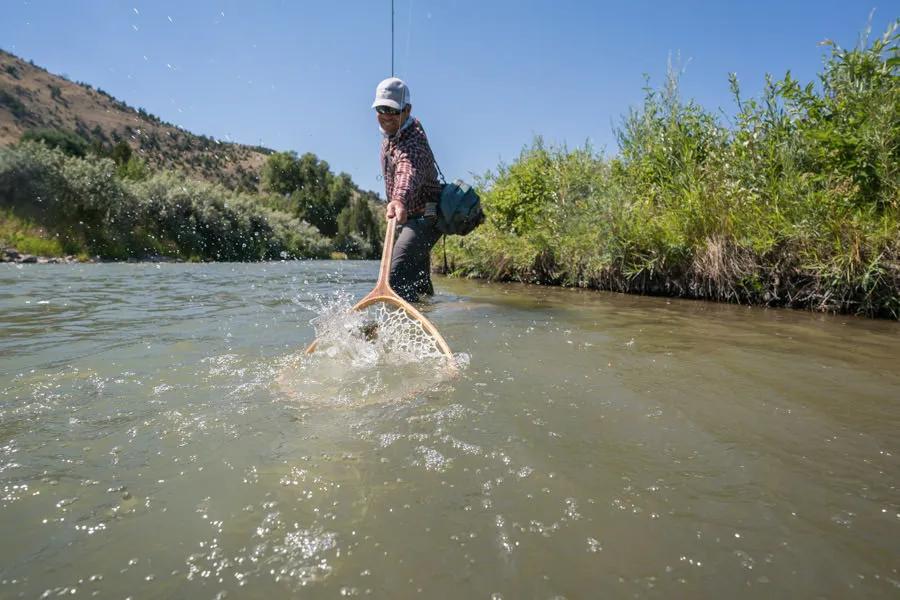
[(795, 202)]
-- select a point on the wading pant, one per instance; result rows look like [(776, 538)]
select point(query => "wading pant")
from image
[(411, 262)]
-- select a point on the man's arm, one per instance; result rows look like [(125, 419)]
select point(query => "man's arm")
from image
[(404, 179)]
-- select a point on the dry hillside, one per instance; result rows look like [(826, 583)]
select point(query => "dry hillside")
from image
[(31, 98)]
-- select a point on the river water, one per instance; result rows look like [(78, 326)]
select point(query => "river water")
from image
[(162, 437)]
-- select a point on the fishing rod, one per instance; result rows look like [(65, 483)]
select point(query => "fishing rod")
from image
[(392, 38)]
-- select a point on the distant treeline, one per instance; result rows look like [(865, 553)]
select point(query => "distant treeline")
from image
[(61, 194), (796, 202)]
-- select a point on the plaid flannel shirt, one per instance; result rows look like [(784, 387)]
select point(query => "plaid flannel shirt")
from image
[(410, 175)]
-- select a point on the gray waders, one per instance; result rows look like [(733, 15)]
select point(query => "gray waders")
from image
[(411, 263)]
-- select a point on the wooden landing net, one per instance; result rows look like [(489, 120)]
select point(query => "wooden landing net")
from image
[(394, 319)]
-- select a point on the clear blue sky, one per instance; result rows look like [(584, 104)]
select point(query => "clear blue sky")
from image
[(485, 75)]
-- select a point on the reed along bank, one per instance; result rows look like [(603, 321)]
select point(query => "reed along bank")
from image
[(794, 201)]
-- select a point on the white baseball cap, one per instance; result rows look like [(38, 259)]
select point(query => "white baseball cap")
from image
[(391, 92)]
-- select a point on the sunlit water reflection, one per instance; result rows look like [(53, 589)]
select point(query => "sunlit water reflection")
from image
[(161, 435)]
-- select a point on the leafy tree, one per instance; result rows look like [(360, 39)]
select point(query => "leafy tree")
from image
[(357, 219), (121, 153), (353, 245), (313, 197), (134, 169), (281, 173), (309, 183), (341, 193)]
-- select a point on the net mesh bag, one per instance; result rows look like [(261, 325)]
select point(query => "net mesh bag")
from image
[(380, 332), (399, 333)]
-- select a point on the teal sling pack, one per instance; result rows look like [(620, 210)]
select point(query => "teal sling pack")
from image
[(459, 210)]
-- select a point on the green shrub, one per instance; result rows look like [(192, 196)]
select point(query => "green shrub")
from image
[(69, 142)]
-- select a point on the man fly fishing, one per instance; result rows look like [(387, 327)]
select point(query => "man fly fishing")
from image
[(411, 187), (421, 209)]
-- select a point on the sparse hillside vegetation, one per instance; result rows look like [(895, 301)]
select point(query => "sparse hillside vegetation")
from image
[(32, 98)]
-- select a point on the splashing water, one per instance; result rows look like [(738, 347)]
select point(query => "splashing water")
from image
[(366, 356), (377, 334)]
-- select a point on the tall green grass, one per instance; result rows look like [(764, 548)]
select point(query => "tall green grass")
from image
[(795, 202), (27, 237)]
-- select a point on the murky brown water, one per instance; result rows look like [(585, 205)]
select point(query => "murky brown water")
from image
[(597, 445)]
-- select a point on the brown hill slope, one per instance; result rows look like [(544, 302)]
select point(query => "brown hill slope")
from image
[(31, 98)]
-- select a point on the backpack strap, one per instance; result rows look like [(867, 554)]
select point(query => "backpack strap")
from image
[(431, 208), (438, 167)]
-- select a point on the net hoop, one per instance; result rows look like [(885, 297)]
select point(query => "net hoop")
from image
[(385, 294)]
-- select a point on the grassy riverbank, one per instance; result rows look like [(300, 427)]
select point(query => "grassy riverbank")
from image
[(795, 202), (26, 237)]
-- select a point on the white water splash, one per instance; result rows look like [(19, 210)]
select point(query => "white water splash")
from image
[(365, 357), (380, 333)]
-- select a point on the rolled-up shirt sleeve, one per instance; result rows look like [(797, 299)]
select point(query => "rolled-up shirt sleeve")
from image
[(407, 179), (404, 178)]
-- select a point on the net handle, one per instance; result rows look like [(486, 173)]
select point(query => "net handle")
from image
[(383, 292), (387, 253)]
